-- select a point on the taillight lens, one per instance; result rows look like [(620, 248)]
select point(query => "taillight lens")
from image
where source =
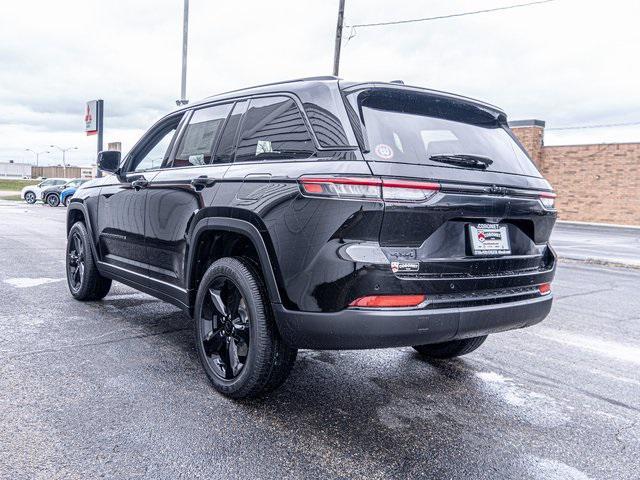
[(544, 289), (342, 187), (368, 188), (548, 200), (388, 301)]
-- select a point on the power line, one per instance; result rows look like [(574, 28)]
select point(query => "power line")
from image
[(440, 17), (604, 125)]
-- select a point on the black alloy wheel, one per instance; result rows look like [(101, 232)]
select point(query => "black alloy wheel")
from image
[(83, 278), (225, 329), (237, 339), (75, 262)]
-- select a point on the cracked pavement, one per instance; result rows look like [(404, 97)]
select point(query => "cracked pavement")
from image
[(114, 389)]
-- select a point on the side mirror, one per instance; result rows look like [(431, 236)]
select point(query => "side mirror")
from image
[(109, 160)]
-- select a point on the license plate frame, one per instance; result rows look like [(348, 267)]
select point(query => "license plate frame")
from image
[(489, 239)]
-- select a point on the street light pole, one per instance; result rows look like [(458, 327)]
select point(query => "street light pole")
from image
[(185, 37), (37, 154), (336, 51), (64, 160)]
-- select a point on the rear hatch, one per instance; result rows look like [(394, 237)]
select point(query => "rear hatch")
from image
[(487, 219)]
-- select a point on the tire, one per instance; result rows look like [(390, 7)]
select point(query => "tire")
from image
[(65, 202), (454, 348), (53, 200), (84, 282), (233, 319), (30, 197)]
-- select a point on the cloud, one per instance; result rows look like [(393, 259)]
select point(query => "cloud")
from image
[(567, 62)]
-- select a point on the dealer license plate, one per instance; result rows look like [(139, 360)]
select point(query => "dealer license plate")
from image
[(489, 239)]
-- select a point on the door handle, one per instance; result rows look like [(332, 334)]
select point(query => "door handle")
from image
[(202, 181), (140, 183)]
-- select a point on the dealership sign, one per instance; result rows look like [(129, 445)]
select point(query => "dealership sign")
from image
[(91, 118)]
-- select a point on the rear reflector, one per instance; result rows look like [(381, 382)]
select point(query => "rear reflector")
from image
[(544, 289), (548, 199), (388, 301), (408, 191), (368, 188)]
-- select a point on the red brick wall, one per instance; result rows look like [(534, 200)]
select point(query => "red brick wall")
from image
[(595, 183)]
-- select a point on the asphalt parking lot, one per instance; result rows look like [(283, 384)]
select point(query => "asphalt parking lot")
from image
[(114, 389)]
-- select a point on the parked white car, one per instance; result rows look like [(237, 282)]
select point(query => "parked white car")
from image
[(32, 193)]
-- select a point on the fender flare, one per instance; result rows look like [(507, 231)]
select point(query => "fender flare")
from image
[(73, 206), (245, 228)]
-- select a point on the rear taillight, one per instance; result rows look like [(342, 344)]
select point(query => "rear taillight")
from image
[(548, 200), (368, 188), (388, 301), (544, 289), (342, 187)]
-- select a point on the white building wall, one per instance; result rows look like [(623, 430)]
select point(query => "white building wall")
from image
[(15, 170)]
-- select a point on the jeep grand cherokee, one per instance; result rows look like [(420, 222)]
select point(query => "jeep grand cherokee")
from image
[(322, 214)]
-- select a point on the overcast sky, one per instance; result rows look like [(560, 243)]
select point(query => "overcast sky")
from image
[(569, 62)]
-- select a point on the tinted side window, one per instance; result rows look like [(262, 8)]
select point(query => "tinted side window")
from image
[(273, 129), (227, 146), (196, 146)]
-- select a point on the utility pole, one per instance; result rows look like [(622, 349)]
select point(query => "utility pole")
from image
[(185, 37), (37, 154), (336, 51)]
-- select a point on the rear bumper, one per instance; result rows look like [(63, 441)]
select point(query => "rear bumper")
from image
[(364, 328)]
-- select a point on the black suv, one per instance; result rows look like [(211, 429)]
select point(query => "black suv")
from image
[(322, 214)]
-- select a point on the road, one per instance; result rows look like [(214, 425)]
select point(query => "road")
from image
[(597, 243), (114, 389)]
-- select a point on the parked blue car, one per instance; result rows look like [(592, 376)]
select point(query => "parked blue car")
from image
[(67, 193)]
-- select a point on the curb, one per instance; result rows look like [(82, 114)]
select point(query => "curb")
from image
[(599, 225), (600, 262)]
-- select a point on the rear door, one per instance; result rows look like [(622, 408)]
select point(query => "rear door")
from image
[(186, 184), (122, 203)]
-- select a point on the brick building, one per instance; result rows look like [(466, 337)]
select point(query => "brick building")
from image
[(595, 183)]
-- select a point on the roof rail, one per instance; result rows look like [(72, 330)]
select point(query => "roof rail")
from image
[(305, 79)]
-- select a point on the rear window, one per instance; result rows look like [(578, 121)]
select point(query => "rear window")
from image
[(407, 127)]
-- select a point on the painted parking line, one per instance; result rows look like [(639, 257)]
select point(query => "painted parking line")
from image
[(31, 282), (607, 348)]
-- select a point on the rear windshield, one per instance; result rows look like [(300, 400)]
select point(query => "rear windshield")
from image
[(408, 127)]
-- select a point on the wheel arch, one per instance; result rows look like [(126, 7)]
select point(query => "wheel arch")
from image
[(209, 227), (77, 212)]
